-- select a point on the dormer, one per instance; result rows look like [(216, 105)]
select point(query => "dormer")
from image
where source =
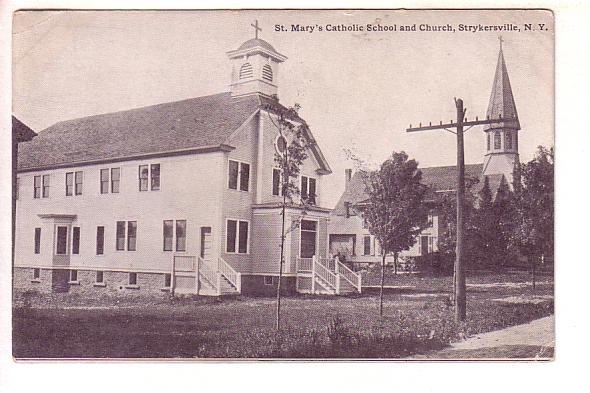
[(255, 69)]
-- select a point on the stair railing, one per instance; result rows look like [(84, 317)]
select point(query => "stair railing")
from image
[(353, 278), (325, 274), (206, 271), (229, 273)]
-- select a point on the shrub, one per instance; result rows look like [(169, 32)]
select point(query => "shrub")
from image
[(435, 263)]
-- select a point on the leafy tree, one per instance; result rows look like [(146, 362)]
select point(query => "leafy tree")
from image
[(534, 205), (395, 213), (294, 143)]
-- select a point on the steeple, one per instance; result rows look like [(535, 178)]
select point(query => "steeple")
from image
[(255, 67), (501, 150)]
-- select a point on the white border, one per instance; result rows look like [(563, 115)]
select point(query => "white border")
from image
[(565, 373)]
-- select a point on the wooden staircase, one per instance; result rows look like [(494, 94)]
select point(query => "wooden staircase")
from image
[(326, 276), (192, 275)]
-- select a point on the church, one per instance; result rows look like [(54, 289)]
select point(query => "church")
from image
[(180, 197), (348, 234)]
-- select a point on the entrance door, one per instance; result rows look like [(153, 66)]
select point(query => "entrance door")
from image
[(206, 243), (423, 245), (308, 238)]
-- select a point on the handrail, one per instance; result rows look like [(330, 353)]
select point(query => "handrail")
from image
[(208, 273), (185, 263), (326, 275), (328, 263), (353, 278), (304, 264), (229, 273)]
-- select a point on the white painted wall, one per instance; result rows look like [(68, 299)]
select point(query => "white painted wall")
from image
[(186, 192)]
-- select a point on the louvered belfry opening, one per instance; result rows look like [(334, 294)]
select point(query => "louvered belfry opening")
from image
[(246, 71), (267, 73)]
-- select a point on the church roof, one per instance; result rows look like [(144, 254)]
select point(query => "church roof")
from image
[(501, 100), (196, 124), (442, 178), (254, 42)]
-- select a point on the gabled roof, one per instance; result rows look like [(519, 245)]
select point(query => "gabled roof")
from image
[(21, 132), (442, 178), (501, 100), (196, 124)]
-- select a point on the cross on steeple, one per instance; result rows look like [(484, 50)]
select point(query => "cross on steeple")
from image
[(256, 28), (501, 41)]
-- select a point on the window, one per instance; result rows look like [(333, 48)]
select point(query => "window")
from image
[(507, 139), (37, 240), (37, 187), (167, 280), (497, 140), (246, 71), (489, 140), (308, 238), (131, 235), (45, 186), (99, 277), (104, 181), (267, 280), (244, 176), (115, 179), (267, 73), (99, 240), (69, 183), (181, 235), (155, 173), (276, 182), (78, 186), (237, 236), (132, 278), (36, 273), (308, 189), (120, 235), (168, 235), (62, 241), (367, 245), (281, 144), (73, 276), (239, 174), (143, 177), (76, 240)]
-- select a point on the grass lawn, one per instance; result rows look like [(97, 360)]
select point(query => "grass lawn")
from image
[(417, 319)]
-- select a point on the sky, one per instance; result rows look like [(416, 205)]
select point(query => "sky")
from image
[(358, 90)]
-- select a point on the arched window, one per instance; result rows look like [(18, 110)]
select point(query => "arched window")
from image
[(246, 71), (489, 139), (507, 139), (267, 73), (497, 140)]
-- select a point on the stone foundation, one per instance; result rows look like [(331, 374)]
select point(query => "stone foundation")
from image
[(57, 280), (254, 285)]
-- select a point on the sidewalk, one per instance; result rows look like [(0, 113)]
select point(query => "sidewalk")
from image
[(532, 341)]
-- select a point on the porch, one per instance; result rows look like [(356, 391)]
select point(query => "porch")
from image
[(193, 275), (317, 275)]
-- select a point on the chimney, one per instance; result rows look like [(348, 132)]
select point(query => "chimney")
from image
[(347, 176)]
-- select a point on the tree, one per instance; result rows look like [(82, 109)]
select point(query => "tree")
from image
[(292, 146), (395, 213), (534, 204)]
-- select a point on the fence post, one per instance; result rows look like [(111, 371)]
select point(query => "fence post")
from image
[(218, 283), (239, 282), (337, 284), (359, 282), (313, 274)]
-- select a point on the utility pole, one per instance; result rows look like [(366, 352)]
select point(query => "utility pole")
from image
[(459, 277)]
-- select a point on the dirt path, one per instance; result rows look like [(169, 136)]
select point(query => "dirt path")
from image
[(532, 341)]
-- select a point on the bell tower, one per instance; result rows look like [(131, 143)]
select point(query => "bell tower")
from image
[(255, 67), (501, 150)]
